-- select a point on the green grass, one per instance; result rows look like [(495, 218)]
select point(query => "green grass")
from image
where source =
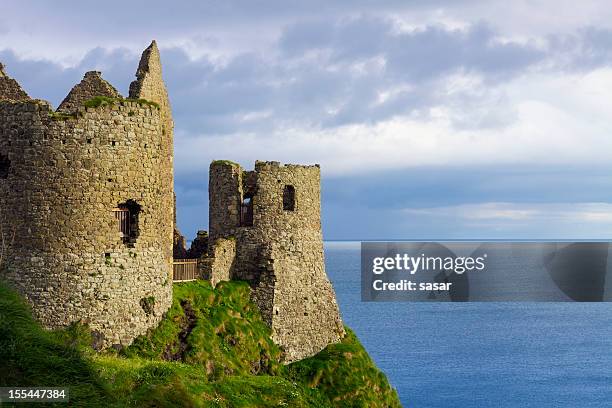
[(226, 162), (31, 356), (228, 336), (98, 101), (221, 351), (62, 115), (346, 374)]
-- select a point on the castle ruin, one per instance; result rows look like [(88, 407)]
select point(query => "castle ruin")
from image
[(86, 203), (87, 217), (265, 228)]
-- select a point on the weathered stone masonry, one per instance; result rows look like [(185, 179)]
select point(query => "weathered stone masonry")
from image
[(10, 89), (91, 86), (87, 217), (65, 176), (272, 216)]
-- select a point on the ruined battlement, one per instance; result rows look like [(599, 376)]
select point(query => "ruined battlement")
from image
[(262, 165), (87, 217), (90, 87), (265, 228), (45, 124), (86, 205), (10, 89)]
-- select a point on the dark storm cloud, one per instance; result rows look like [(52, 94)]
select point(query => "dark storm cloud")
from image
[(382, 216)]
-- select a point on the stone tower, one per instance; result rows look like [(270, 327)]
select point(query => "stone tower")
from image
[(265, 227), (86, 203)]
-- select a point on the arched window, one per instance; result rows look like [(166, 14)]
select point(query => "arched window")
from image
[(289, 198)]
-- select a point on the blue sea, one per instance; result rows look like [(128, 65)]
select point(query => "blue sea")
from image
[(480, 354)]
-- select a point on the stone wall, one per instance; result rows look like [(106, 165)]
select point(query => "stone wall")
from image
[(224, 196), (281, 253), (179, 250), (91, 86), (218, 265), (65, 174), (10, 89), (149, 85), (199, 245)]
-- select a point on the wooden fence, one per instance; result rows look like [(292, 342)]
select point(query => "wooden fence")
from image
[(184, 270)]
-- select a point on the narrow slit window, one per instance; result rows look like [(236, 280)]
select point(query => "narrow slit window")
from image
[(289, 198), (5, 166), (246, 212)]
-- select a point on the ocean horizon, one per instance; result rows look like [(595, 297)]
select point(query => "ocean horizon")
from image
[(483, 354)]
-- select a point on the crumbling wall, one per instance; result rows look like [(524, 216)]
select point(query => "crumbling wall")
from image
[(305, 315), (224, 197), (281, 253), (65, 176), (179, 250), (218, 265), (149, 85), (91, 86), (199, 246), (10, 89)]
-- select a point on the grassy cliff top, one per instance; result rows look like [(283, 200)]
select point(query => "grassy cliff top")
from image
[(211, 350)]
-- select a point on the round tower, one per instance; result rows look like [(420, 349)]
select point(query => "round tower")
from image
[(86, 206)]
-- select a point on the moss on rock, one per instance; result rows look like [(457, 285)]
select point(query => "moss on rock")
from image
[(98, 101)]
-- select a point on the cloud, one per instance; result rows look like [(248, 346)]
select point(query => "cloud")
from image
[(589, 220), (335, 72), (415, 54), (426, 104), (557, 120)]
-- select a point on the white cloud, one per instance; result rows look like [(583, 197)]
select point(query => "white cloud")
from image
[(360, 88), (481, 211), (558, 119), (519, 220), (498, 211), (517, 18)]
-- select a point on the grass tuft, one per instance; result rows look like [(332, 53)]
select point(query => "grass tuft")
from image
[(98, 101), (346, 374), (226, 162), (62, 115)]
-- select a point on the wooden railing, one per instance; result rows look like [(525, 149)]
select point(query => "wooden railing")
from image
[(122, 215), (184, 270)]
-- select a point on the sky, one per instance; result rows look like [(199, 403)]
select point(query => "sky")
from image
[(430, 119)]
